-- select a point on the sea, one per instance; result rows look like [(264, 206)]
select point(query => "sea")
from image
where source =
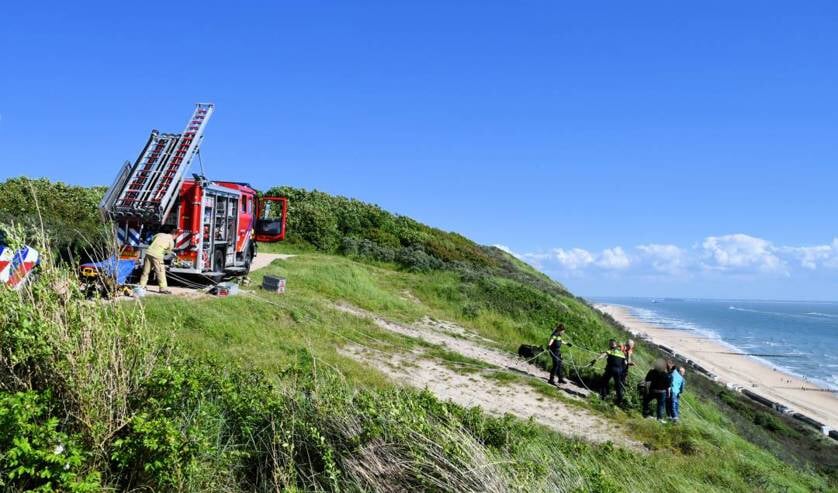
[(800, 337)]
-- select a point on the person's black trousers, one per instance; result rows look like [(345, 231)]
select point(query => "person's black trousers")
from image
[(617, 375), (557, 368), (660, 396)]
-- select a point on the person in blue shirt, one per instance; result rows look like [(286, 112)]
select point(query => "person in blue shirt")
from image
[(677, 388)]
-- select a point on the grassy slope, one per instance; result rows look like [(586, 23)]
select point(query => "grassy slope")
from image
[(724, 444), (704, 453)]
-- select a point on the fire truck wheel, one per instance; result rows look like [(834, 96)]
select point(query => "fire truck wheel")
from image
[(248, 259), (218, 261)]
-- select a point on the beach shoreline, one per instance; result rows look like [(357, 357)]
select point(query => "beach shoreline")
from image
[(737, 371)]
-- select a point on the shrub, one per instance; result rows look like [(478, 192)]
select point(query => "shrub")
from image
[(315, 224), (349, 246), (416, 260), (371, 250), (471, 311), (324, 220), (34, 454), (68, 214)]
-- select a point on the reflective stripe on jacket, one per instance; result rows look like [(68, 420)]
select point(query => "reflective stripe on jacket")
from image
[(616, 359)]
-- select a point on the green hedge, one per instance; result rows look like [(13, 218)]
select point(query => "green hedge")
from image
[(68, 214)]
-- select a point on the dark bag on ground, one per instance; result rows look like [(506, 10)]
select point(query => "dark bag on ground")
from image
[(527, 351)]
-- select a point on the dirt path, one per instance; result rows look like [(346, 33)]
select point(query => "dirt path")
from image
[(262, 260), (460, 340), (477, 388)]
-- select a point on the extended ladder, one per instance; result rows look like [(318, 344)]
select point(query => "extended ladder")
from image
[(149, 188)]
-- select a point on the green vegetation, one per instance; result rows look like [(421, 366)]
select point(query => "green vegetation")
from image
[(255, 392), (66, 213), (356, 229), (704, 453)]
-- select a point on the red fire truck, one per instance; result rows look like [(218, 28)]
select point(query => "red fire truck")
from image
[(217, 223)]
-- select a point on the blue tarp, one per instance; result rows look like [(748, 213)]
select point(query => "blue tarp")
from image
[(119, 269)]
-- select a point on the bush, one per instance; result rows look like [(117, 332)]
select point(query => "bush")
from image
[(69, 214), (349, 246), (34, 454), (416, 260), (324, 220), (371, 250), (315, 224)]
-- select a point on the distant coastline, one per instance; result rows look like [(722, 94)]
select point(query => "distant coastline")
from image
[(727, 364), (715, 337), (794, 337)]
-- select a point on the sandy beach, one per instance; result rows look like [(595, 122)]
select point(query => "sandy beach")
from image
[(736, 369)]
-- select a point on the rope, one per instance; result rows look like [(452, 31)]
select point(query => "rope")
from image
[(583, 348), (578, 375), (188, 283), (536, 356)]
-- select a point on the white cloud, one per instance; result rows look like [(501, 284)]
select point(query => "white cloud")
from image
[(578, 259), (613, 259), (668, 259), (508, 250), (573, 259), (740, 252), (832, 262), (734, 254), (810, 257)]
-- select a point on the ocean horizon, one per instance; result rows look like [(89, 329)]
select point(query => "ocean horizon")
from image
[(798, 337)]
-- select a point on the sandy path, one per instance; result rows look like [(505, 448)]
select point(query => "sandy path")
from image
[(737, 370), (475, 388), (262, 260), (460, 340)]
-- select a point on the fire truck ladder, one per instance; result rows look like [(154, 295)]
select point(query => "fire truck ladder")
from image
[(149, 188)]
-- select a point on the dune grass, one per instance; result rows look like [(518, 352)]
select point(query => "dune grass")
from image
[(250, 393), (703, 453)]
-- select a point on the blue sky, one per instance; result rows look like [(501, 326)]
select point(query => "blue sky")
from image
[(646, 148)]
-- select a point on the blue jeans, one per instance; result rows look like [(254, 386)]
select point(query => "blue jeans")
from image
[(660, 400), (673, 406)]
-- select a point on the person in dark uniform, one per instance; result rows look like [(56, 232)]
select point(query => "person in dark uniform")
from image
[(554, 347), (614, 367)]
